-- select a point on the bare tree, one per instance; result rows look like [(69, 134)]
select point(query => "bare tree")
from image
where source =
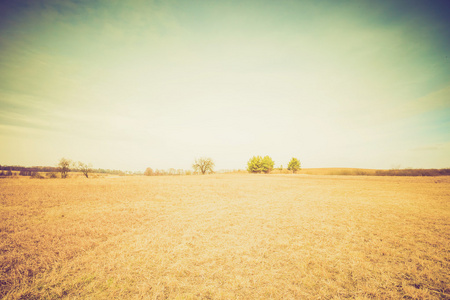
[(203, 165), (85, 168), (64, 167)]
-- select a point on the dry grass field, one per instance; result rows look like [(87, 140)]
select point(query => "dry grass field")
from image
[(225, 237)]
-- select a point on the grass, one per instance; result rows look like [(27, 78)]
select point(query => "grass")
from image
[(225, 237), (413, 172), (368, 172), (329, 171)]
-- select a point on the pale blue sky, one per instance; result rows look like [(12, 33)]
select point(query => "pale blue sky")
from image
[(135, 84)]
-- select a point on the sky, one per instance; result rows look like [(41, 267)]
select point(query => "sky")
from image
[(134, 84)]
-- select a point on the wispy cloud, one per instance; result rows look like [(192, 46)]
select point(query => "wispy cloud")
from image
[(365, 80)]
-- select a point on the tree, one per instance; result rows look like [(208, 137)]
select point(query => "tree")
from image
[(257, 164), (148, 172), (85, 168), (254, 165), (267, 164), (203, 165), (64, 167), (294, 165)]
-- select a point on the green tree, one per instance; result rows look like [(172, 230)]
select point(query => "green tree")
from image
[(294, 165), (254, 165), (267, 164), (203, 165), (257, 164)]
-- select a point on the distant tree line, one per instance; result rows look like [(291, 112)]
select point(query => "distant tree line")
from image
[(257, 164), (7, 171), (86, 169), (63, 167), (28, 169)]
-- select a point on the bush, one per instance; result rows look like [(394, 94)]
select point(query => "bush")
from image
[(257, 164), (51, 175), (36, 175), (7, 173)]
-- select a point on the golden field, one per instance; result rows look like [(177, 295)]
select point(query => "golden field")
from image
[(228, 236)]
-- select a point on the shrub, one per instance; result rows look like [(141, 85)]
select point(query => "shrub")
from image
[(51, 175), (294, 165), (24, 172), (36, 175)]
